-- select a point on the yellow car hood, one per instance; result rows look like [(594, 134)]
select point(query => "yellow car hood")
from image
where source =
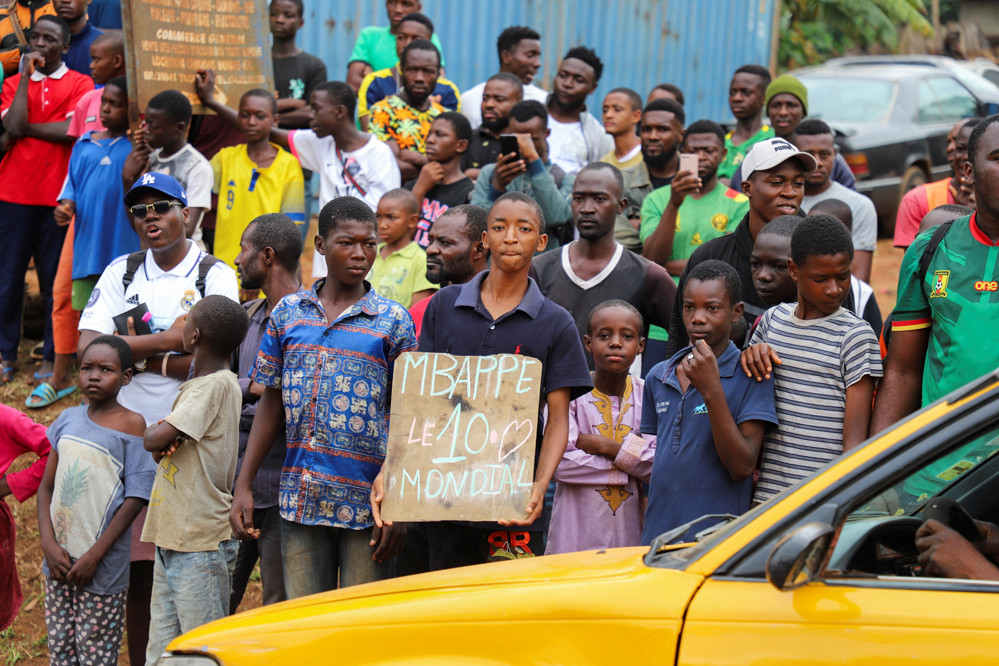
[(582, 603)]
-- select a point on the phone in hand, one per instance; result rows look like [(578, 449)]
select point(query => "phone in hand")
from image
[(688, 162), (509, 144)]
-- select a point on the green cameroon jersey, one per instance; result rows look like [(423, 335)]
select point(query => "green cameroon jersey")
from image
[(735, 154)]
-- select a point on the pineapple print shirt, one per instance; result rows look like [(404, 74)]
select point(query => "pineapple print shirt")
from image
[(98, 468)]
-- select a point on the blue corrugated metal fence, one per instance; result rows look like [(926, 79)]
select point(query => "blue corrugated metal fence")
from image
[(695, 44)]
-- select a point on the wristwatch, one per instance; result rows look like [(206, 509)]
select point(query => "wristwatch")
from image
[(140, 366)]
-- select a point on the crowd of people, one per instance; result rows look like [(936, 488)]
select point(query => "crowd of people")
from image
[(698, 299)]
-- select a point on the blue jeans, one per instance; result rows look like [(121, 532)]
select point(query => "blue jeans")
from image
[(317, 557), (189, 590)]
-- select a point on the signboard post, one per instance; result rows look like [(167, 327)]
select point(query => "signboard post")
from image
[(462, 437), (166, 41)]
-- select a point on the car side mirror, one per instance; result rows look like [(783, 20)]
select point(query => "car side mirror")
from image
[(797, 557), (989, 109)]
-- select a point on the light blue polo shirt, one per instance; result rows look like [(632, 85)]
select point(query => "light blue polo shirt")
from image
[(688, 479)]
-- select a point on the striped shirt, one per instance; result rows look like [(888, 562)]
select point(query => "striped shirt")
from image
[(820, 359)]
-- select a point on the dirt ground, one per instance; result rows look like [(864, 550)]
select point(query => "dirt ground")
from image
[(24, 642)]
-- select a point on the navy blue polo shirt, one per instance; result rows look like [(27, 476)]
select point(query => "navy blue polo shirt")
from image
[(456, 322), (688, 479)]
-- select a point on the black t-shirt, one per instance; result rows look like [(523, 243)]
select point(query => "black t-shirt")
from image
[(296, 76), (438, 200), (482, 150), (659, 182)]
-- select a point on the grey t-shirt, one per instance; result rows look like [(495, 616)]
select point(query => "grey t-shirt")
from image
[(98, 469), (191, 170), (865, 219), (189, 505)]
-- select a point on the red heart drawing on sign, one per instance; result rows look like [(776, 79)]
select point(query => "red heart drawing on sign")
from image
[(516, 425)]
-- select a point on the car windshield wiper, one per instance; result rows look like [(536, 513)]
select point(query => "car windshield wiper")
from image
[(666, 537)]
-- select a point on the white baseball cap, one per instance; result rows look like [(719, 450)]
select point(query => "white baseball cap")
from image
[(767, 154)]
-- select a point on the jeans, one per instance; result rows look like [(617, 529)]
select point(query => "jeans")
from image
[(317, 558), (268, 550), (189, 590)]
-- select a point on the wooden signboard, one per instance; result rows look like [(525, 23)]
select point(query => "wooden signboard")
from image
[(167, 41), (461, 437)]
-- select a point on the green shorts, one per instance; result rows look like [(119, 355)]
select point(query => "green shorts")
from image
[(82, 289)]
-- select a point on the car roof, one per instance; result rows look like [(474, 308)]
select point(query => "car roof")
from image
[(880, 71)]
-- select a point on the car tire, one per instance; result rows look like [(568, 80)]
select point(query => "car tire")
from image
[(913, 177)]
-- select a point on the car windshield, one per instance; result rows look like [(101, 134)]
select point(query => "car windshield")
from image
[(849, 99)]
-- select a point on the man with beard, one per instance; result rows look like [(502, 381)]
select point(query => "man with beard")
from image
[(403, 120), (774, 184), (595, 267), (955, 189), (662, 129), (501, 93), (695, 207), (576, 138), (268, 259), (456, 253), (530, 172), (519, 54)]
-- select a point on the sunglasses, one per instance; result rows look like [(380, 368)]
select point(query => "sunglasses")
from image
[(139, 211)]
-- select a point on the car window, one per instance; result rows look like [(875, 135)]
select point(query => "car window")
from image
[(850, 100), (954, 99), (927, 106)]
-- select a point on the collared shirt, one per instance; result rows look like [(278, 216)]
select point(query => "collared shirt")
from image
[(401, 274), (335, 380), (688, 479), (33, 170), (456, 322), (268, 479)]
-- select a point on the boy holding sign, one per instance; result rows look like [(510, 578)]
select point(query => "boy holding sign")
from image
[(502, 311)]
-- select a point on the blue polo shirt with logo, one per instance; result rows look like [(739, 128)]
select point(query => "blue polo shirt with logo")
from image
[(688, 479)]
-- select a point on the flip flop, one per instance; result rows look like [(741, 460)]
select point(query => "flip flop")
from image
[(39, 376), (47, 395)]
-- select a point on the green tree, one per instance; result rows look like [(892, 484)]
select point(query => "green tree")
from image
[(812, 31)]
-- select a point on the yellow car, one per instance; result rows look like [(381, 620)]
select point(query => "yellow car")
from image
[(825, 573)]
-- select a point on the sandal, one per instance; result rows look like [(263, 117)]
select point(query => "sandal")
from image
[(39, 376), (37, 351), (45, 395), (7, 374)]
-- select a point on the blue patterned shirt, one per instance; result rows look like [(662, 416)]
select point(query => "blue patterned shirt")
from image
[(335, 381)]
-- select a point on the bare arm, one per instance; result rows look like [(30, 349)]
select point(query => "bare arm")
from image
[(552, 449), (85, 567), (356, 71), (16, 120), (862, 261), (204, 86), (266, 425), (900, 390), (55, 555), (659, 246), (160, 437), (857, 415), (144, 346)]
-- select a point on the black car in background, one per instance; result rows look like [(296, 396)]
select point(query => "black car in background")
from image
[(891, 122)]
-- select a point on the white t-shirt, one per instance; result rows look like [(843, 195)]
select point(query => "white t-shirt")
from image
[(471, 101), (567, 146), (372, 168), (865, 218), (167, 295), (193, 172)]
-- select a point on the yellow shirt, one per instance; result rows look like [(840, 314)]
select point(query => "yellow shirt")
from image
[(401, 274), (611, 158), (246, 192)]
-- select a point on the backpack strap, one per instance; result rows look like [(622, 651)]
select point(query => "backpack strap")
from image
[(15, 23), (132, 265), (931, 248), (205, 265)]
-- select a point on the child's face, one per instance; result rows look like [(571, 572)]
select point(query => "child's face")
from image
[(285, 20), (443, 143), (513, 235), (161, 130), (159, 231), (190, 333), (823, 281), (707, 312), (350, 250), (101, 374), (614, 339), (768, 264), (256, 118), (324, 117), (114, 108), (395, 222), (103, 63)]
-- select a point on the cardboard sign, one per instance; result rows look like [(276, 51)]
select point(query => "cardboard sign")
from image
[(167, 41), (461, 437)]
